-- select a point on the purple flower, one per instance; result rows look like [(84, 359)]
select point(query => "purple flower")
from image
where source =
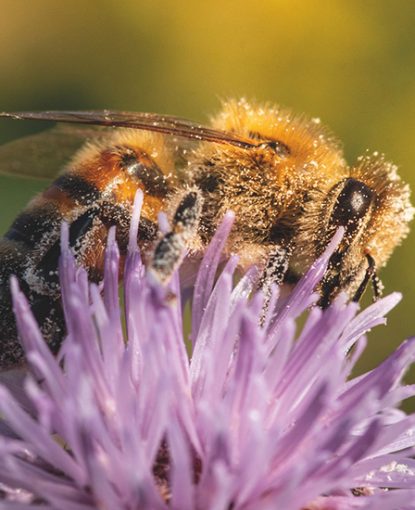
[(260, 417)]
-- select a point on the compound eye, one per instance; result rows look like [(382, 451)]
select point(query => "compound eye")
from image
[(352, 204)]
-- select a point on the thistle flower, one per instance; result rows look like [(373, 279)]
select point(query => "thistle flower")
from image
[(260, 417)]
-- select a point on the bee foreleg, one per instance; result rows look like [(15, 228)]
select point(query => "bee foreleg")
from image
[(171, 248), (370, 275), (377, 287)]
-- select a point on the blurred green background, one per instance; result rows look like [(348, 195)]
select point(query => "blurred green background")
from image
[(351, 63)]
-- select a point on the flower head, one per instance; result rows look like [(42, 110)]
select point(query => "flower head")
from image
[(260, 416)]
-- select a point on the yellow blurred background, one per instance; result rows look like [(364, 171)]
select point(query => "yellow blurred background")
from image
[(351, 63)]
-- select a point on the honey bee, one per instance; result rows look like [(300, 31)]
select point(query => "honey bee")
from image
[(284, 176)]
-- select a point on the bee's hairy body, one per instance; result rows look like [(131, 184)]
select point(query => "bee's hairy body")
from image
[(290, 191), (95, 192)]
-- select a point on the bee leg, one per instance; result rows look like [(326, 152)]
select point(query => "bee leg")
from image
[(369, 275), (327, 288), (120, 216), (169, 251), (377, 287), (273, 274)]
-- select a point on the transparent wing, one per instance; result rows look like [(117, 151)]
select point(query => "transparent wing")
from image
[(147, 121), (43, 154)]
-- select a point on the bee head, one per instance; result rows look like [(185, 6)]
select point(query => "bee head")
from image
[(354, 202), (374, 208)]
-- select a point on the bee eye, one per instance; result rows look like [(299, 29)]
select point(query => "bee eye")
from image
[(352, 204)]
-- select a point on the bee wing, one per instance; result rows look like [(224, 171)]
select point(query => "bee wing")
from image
[(147, 121), (42, 155)]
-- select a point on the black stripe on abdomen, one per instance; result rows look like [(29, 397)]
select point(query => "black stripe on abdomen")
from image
[(31, 226), (48, 265), (78, 189)]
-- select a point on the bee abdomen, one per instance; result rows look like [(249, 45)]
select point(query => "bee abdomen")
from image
[(32, 225), (77, 188), (48, 264)]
